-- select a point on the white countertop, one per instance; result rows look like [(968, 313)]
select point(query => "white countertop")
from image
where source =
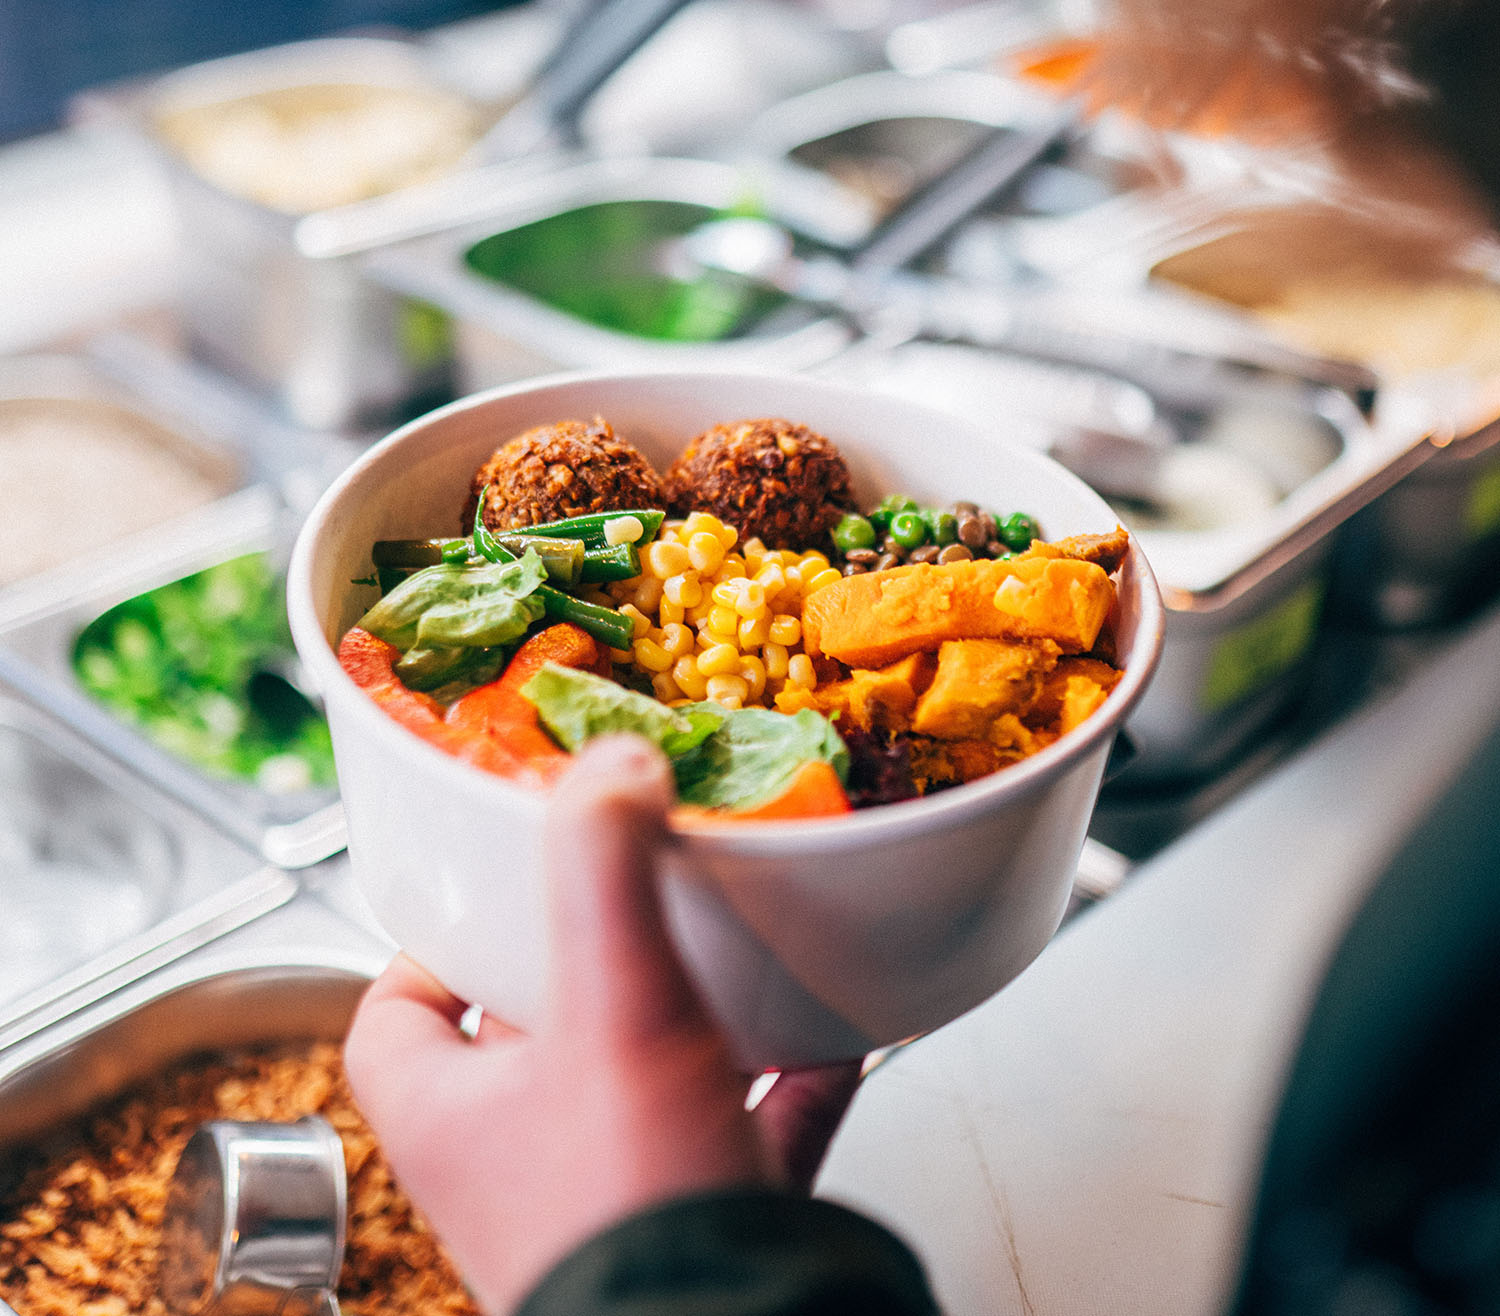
[(1089, 1140)]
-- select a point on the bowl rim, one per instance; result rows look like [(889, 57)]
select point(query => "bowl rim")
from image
[(885, 822)]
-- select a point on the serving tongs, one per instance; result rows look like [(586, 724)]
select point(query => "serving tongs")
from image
[(862, 282), (1191, 357), (598, 40)]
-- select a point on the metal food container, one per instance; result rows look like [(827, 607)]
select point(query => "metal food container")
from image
[(1427, 552), (228, 1001), (1424, 554), (871, 140), (502, 333), (102, 875), (288, 820), (1238, 517), (270, 287), (97, 472)]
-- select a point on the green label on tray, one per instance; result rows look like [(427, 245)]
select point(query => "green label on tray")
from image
[(1250, 657), (1482, 511)]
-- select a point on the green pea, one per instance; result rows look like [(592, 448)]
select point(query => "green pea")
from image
[(1018, 530), (853, 532), (942, 527), (908, 529), (884, 511)]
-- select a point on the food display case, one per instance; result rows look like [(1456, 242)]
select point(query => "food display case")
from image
[(1324, 523)]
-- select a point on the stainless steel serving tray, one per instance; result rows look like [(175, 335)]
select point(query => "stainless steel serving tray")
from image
[(502, 334), (79, 385), (231, 997), (1111, 178), (104, 875), (291, 830), (276, 298)]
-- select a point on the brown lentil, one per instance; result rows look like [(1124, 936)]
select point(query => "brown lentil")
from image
[(975, 531), (954, 553)]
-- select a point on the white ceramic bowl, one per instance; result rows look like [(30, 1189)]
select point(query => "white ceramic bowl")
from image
[(812, 941)]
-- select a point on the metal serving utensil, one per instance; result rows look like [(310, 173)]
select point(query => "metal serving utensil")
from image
[(255, 1221), (760, 251), (594, 45)]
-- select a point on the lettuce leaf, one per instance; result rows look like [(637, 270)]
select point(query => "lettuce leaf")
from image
[(576, 706), (753, 756), (722, 758), (469, 605)]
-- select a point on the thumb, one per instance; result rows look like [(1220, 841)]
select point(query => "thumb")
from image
[(615, 972)]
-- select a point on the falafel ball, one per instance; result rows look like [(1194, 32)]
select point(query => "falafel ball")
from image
[(571, 468), (770, 478)]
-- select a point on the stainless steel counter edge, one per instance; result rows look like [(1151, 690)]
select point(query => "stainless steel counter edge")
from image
[(307, 931)]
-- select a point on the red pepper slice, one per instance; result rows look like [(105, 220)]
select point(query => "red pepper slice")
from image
[(494, 727)]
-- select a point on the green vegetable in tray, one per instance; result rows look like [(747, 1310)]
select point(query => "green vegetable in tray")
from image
[(722, 758), (197, 665), (602, 263)]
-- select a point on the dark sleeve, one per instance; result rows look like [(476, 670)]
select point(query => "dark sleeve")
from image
[(744, 1252)]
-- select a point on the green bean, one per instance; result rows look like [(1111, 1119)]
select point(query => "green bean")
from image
[(622, 562), (563, 558), (418, 552), (604, 624), (590, 528)]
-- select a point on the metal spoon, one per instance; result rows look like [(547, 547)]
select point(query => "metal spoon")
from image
[(255, 1220)]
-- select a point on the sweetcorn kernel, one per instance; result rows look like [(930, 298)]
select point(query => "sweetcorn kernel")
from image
[(668, 612), (723, 619), (754, 631), (800, 671), (771, 578), (677, 639), (719, 660), (689, 679), (828, 576), (684, 589), (811, 562), (623, 530), (650, 655), (639, 622), (666, 557), (776, 659), (696, 523), (664, 687), (754, 672), (785, 629), (647, 594), (706, 552), (727, 592), (751, 600), (726, 688)]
